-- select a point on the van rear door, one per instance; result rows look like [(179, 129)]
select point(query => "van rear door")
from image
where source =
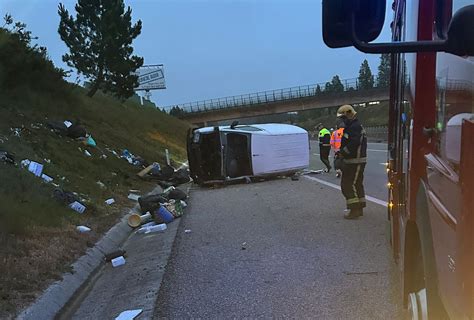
[(205, 155)]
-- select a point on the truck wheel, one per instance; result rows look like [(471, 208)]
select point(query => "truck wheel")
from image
[(417, 305)]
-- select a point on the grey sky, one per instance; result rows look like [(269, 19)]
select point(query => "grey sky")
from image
[(218, 48)]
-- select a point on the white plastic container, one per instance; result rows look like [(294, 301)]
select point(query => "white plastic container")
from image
[(154, 228), (117, 262)]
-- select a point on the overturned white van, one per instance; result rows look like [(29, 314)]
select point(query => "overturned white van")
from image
[(244, 151)]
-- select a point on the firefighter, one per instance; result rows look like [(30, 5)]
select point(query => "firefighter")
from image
[(354, 154), (336, 138), (324, 145)]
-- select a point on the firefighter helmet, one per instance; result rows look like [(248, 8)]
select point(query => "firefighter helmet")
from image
[(346, 110)]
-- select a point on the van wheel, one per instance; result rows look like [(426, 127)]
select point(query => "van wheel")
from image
[(417, 305)]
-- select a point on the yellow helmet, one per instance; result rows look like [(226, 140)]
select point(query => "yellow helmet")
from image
[(346, 110)]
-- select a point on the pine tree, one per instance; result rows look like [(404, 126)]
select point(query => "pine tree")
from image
[(99, 41), (383, 76), (336, 84), (365, 79)]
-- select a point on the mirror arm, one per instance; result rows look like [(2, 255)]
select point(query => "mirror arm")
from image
[(396, 47)]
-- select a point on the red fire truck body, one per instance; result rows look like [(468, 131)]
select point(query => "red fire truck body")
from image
[(430, 143), (431, 164)]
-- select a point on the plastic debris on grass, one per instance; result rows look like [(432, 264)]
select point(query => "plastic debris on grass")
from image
[(83, 229)]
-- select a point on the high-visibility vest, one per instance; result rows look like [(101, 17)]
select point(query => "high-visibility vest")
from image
[(336, 139)]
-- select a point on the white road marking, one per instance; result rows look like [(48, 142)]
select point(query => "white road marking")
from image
[(316, 154), (376, 150), (335, 186)]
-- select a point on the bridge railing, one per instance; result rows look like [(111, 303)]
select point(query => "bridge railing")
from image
[(265, 97)]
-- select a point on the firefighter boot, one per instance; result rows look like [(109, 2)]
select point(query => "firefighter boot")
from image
[(354, 214)]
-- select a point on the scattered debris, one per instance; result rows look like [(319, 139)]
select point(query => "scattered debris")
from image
[(110, 201), (117, 262), (3, 138), (163, 214), (244, 246), (91, 142), (149, 224), (304, 172), (151, 202), (295, 177), (77, 206), (135, 220), (187, 231), (133, 196), (34, 167), (177, 194), (7, 157), (135, 160), (183, 204), (64, 197), (114, 254), (67, 123), (83, 229), (100, 184), (46, 178), (129, 314), (151, 167), (175, 208), (16, 131), (154, 228), (87, 153)]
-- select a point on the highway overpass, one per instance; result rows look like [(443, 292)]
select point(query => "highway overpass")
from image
[(278, 101)]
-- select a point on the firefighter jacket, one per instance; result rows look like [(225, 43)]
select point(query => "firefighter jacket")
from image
[(324, 138), (354, 143), (336, 138)]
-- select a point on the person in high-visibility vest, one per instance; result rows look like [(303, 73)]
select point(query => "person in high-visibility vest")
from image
[(336, 138), (324, 145)]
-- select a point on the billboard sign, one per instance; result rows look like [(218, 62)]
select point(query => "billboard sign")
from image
[(151, 77)]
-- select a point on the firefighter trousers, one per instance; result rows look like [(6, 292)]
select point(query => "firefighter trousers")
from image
[(324, 156), (352, 185)]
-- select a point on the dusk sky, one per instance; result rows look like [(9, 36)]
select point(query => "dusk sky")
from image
[(217, 48)]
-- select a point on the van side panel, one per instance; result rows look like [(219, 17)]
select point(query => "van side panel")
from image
[(274, 153)]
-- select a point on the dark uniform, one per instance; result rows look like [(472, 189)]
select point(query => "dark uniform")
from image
[(325, 147), (354, 153)]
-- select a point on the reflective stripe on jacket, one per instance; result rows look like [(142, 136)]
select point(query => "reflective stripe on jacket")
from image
[(336, 139)]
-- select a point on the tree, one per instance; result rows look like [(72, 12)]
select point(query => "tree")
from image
[(99, 41), (177, 111), (318, 89), (365, 79), (383, 76), (336, 84)]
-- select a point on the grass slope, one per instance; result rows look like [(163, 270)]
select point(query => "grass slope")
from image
[(38, 239)]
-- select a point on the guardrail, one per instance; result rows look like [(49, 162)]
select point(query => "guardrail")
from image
[(266, 97)]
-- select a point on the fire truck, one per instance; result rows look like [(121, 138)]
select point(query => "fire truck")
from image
[(430, 161)]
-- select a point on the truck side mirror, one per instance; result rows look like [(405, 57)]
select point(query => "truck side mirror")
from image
[(452, 145), (461, 32), (358, 22), (369, 18)]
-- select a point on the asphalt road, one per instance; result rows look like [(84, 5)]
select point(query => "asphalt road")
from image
[(375, 170), (279, 249)]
